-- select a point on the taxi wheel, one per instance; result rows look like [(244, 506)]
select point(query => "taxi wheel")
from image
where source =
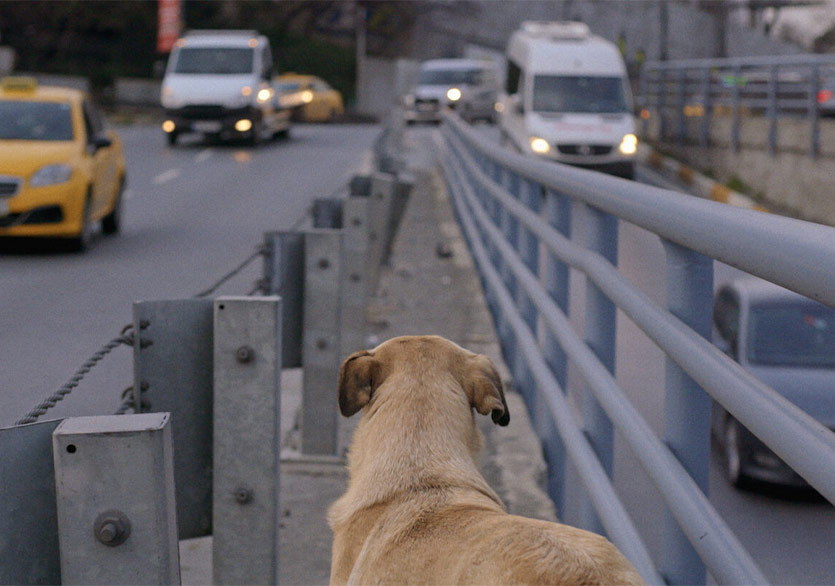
[(85, 237), (112, 222)]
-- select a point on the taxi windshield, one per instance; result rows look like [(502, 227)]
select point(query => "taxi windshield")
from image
[(792, 334), (215, 60), (579, 94), (29, 120)]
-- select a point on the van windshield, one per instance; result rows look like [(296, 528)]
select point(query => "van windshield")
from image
[(580, 94), (215, 60), (449, 76), (792, 334)]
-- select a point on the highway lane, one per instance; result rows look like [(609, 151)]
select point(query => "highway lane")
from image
[(192, 214)]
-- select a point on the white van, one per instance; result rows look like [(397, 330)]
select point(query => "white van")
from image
[(568, 98), (470, 86), (218, 83)]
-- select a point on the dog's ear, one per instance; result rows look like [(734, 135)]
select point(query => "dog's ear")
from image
[(484, 389), (359, 375)]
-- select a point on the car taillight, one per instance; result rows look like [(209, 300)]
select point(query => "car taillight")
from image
[(824, 96)]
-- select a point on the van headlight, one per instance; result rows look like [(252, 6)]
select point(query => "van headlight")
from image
[(409, 100), (453, 94), (540, 145), (628, 145), (51, 175), (169, 99)]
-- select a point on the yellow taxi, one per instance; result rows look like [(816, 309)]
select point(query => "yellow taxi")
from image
[(321, 103), (62, 169)]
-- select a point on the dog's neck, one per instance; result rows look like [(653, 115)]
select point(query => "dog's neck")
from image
[(411, 441)]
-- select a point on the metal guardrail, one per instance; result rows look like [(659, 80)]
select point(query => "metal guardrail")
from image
[(516, 213), (681, 91)]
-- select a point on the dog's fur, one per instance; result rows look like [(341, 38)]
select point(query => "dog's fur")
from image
[(417, 510)]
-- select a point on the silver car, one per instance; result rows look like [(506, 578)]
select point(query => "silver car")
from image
[(787, 341), (470, 86)]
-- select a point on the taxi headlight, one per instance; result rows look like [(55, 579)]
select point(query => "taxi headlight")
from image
[(629, 145), (539, 145), (453, 94), (51, 175)]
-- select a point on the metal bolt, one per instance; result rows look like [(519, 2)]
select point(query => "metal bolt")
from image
[(243, 496), (324, 263), (355, 277), (356, 222), (321, 343), (245, 354), (112, 528)]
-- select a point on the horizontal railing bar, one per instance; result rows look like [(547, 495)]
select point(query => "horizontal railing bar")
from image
[(613, 515), (743, 62), (720, 550), (804, 261), (800, 440)]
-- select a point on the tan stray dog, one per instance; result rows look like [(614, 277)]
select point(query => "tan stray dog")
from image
[(417, 510)]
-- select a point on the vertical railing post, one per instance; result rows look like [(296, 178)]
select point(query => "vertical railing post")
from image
[(681, 79), (600, 337), (736, 106), (555, 279), (813, 114), (686, 405), (114, 484), (247, 439), (379, 218), (321, 341), (772, 108), (707, 107)]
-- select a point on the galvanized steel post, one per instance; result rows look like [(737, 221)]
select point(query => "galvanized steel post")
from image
[(354, 290), (283, 269), (322, 346), (247, 439), (114, 482), (379, 215), (686, 405)]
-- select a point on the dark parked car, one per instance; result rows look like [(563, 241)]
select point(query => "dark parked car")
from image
[(787, 341)]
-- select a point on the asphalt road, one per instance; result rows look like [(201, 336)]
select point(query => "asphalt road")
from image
[(192, 214)]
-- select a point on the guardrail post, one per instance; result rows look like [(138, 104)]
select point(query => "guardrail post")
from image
[(354, 275), (327, 213), (686, 405), (28, 518), (600, 337), (283, 269), (681, 103), (736, 105), (114, 482), (247, 439), (322, 345), (172, 372), (379, 218)]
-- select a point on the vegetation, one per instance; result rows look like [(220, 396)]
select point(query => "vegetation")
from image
[(105, 39)]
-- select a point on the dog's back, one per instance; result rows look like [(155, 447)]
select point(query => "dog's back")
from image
[(417, 510)]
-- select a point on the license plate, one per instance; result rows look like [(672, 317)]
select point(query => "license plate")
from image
[(207, 126), (426, 107)]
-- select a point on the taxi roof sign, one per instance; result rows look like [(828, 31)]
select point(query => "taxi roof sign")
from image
[(19, 84)]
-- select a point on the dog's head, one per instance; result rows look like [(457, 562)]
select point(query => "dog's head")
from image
[(363, 372)]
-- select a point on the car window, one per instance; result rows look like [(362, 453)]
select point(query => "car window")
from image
[(799, 334), (448, 76), (215, 60), (579, 94), (29, 120)]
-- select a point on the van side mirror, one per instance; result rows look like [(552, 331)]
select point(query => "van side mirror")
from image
[(517, 104)]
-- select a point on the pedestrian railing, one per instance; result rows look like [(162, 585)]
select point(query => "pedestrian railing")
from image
[(689, 96), (516, 213)]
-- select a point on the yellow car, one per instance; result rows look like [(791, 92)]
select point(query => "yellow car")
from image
[(62, 168), (322, 103)]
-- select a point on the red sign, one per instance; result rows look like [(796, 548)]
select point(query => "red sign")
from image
[(168, 24)]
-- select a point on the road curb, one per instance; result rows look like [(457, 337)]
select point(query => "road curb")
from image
[(699, 184)]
